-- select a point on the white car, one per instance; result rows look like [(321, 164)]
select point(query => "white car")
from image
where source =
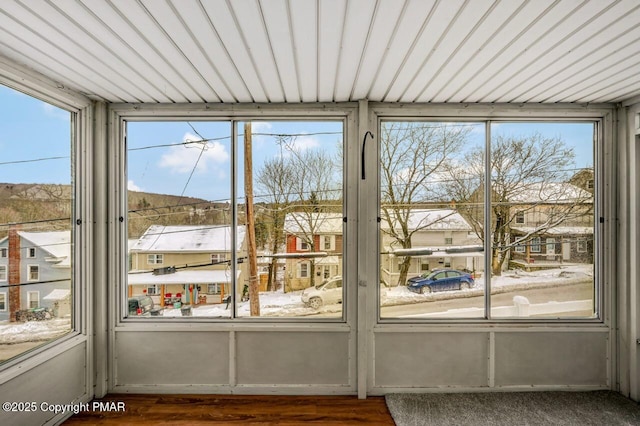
[(326, 293), (330, 291)]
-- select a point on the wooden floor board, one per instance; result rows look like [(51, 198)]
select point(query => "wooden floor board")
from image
[(239, 409)]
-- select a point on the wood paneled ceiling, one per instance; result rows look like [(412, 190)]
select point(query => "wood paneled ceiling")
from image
[(455, 51)]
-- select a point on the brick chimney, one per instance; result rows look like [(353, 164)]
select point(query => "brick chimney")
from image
[(14, 272)]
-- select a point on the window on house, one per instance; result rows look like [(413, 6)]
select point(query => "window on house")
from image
[(303, 270), (38, 202), (33, 272), (590, 184), (424, 265), (214, 288), (302, 244), (33, 299), (534, 167), (153, 290), (214, 191), (155, 259), (536, 246), (328, 242), (581, 246), (448, 241)]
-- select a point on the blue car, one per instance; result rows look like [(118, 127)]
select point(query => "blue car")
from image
[(441, 280)]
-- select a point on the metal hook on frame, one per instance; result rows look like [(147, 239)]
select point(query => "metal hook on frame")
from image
[(364, 142)]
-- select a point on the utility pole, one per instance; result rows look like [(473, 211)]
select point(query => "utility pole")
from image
[(254, 301)]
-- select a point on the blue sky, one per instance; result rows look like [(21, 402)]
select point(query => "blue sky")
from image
[(32, 130)]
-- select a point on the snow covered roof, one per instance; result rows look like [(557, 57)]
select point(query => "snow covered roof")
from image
[(551, 192), (187, 238), (56, 243), (432, 220), (57, 294), (319, 223), (181, 277)]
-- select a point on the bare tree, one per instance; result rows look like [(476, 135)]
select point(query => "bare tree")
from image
[(412, 160), (274, 181), (528, 174)]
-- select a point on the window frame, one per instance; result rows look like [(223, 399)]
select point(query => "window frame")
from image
[(121, 114), (4, 252), (30, 271), (601, 117), (156, 257), (3, 301), (4, 274)]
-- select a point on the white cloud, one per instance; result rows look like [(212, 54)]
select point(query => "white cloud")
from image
[(182, 158), (55, 112), (302, 143), (132, 186), (260, 126)]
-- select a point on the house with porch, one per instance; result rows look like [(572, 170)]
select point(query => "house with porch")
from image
[(440, 238), (552, 225), (185, 264)]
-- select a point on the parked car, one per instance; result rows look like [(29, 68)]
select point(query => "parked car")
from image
[(329, 292), (325, 293), (142, 306), (441, 280)]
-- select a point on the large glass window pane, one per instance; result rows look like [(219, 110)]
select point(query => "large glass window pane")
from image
[(542, 220), (290, 193), (431, 210), (286, 237), (180, 219), (36, 207)]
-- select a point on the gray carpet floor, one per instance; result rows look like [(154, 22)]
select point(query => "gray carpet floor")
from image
[(602, 408)]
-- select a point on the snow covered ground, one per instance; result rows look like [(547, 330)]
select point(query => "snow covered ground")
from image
[(278, 304)]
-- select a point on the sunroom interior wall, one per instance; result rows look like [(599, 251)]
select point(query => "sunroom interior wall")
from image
[(68, 361), (502, 354), (243, 355)]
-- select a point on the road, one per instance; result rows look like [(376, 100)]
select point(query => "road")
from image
[(580, 291)]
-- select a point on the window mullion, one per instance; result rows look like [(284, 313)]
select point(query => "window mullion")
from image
[(487, 222)]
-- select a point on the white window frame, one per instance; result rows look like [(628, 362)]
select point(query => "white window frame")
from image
[(582, 246), (3, 301), (520, 217), (31, 252), (331, 239), (155, 259), (218, 257), (30, 298), (4, 273), (217, 288), (302, 244), (303, 270), (4, 252), (29, 272), (121, 114), (536, 247), (156, 289)]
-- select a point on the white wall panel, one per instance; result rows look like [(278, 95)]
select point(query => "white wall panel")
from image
[(171, 358), (294, 358), (59, 380), (431, 360), (551, 358)]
